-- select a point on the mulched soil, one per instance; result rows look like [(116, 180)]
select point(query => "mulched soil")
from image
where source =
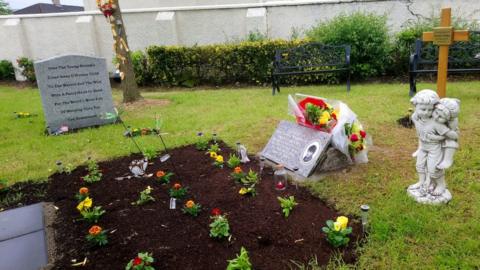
[(180, 241)]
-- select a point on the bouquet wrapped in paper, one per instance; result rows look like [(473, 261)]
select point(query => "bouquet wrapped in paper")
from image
[(335, 117)]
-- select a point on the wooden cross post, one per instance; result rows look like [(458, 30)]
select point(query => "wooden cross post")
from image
[(444, 36)]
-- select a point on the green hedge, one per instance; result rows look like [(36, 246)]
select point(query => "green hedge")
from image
[(248, 62)]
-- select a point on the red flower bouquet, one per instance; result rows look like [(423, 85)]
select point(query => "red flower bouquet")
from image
[(317, 114)]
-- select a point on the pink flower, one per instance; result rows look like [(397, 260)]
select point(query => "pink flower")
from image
[(363, 133), (354, 138)]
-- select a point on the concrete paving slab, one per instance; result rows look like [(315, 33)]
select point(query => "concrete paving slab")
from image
[(20, 221), (27, 252)]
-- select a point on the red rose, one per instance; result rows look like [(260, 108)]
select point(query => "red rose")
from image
[(216, 212), (354, 138), (363, 133), (137, 261)]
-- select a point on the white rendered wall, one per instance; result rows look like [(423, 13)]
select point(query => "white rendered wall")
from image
[(43, 36)]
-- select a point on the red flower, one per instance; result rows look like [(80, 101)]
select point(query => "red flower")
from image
[(354, 138), (363, 133), (137, 261), (216, 212)]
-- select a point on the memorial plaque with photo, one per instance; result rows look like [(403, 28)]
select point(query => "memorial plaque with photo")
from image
[(75, 91), (297, 146)]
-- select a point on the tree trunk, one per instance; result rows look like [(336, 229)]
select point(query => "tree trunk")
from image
[(128, 85)]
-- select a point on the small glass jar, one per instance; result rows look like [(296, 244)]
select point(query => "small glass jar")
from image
[(214, 137), (239, 152), (295, 177), (262, 164), (364, 209), (280, 177)]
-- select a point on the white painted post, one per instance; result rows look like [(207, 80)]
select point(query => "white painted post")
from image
[(13, 31), (256, 21), (168, 28), (86, 36)]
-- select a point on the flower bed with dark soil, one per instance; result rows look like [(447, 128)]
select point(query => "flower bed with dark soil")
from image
[(180, 241)]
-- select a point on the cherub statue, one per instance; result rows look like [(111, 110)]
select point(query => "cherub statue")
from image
[(436, 124)]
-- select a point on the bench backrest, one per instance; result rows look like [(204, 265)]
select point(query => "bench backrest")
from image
[(312, 56), (460, 55)]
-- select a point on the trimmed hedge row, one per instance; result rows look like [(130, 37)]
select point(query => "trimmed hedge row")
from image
[(245, 62)]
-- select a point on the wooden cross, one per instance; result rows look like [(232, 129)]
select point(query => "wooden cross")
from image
[(444, 36)]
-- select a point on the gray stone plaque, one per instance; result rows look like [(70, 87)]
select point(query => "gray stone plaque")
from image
[(75, 91), (297, 146)]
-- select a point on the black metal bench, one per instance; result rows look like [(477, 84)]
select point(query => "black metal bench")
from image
[(463, 58), (310, 58)]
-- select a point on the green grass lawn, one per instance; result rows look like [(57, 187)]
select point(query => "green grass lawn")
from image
[(404, 234)]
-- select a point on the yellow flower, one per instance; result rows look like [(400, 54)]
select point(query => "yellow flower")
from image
[(219, 159), (213, 154), (325, 114), (337, 113), (337, 226), (85, 204), (342, 221), (243, 191), (323, 121)]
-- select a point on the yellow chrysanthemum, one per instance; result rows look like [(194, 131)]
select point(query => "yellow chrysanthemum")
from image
[(323, 121), (85, 204), (325, 114), (343, 221), (337, 226), (219, 159), (213, 154), (243, 191)]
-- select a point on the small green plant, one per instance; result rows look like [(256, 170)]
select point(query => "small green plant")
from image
[(145, 196), (214, 148), (219, 228), (219, 161), (238, 174), (141, 262), (82, 194), (192, 208), (250, 179), (337, 232), (241, 262), (150, 153), (164, 177), (97, 236), (177, 191), (92, 215), (287, 205), (94, 174), (3, 185), (233, 161), (202, 143)]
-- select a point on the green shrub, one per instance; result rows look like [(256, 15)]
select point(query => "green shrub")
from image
[(27, 69), (140, 67), (404, 41), (6, 71), (366, 33)]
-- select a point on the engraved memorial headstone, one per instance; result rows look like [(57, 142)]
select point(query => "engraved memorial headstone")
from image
[(75, 91), (296, 146)]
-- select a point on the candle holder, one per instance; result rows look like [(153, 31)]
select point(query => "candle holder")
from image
[(173, 203), (238, 149), (364, 214), (295, 177), (280, 178), (262, 164), (60, 167), (214, 137)]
